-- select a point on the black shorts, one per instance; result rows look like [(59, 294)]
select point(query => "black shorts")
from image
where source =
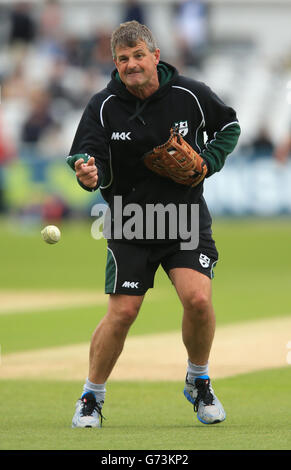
[(131, 268)]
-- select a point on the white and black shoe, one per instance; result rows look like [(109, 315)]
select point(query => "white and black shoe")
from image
[(88, 412), (207, 406)]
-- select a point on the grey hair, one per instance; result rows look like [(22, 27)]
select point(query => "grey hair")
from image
[(128, 34)]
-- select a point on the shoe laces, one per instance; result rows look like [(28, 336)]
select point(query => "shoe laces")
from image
[(204, 394), (89, 405)]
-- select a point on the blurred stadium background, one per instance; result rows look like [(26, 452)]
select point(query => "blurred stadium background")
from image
[(55, 54)]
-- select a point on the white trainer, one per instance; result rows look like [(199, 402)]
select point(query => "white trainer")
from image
[(88, 412), (207, 406)]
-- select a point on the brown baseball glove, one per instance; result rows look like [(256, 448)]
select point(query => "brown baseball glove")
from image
[(176, 159)]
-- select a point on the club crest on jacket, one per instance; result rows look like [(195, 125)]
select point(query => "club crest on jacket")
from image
[(182, 127)]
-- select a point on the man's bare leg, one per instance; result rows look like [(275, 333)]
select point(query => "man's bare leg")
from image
[(106, 346), (198, 325), (108, 339), (198, 328)]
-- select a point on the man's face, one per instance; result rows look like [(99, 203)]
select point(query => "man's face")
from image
[(137, 66)]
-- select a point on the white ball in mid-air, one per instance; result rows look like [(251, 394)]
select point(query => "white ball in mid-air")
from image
[(51, 234)]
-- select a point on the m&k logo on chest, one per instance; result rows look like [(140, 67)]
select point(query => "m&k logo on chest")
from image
[(121, 136)]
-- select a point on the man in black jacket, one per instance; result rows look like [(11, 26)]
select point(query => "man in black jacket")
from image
[(145, 98)]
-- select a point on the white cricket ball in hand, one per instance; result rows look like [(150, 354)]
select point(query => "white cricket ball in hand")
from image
[(51, 234)]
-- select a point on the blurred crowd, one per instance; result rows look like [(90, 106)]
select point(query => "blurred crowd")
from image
[(48, 75)]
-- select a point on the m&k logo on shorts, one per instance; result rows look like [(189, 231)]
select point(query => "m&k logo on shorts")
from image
[(131, 284), (204, 260), (182, 127)]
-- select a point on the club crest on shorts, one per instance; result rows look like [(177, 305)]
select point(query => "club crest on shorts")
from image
[(182, 127), (204, 260)]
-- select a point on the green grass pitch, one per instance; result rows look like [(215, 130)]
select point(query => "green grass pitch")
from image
[(149, 416), (252, 281)]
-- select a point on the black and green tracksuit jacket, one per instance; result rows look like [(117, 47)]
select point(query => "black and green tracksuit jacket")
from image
[(118, 129)]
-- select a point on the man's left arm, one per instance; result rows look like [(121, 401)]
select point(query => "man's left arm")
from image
[(223, 131)]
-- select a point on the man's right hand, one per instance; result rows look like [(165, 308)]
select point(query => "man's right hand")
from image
[(87, 173)]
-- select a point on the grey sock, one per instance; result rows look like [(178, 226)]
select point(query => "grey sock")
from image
[(195, 371), (98, 389)]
